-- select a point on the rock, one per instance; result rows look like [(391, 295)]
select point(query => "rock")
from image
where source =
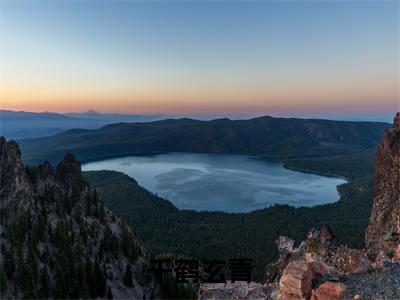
[(327, 238), (272, 290), (396, 256), (358, 263), (237, 289), (287, 253), (39, 197), (233, 290), (211, 291), (381, 262), (256, 290), (329, 291), (15, 187), (318, 265), (384, 224), (296, 281), (69, 175), (320, 240), (285, 245)]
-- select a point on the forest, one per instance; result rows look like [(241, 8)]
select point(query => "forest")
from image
[(167, 230)]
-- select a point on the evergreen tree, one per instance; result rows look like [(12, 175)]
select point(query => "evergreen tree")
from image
[(44, 290), (61, 285), (3, 281), (109, 294), (100, 280), (9, 262), (128, 276), (88, 204), (102, 213)]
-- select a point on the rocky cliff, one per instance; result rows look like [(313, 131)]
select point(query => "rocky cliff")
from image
[(57, 238), (384, 227)]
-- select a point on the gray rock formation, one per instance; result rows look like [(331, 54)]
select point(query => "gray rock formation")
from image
[(57, 238), (384, 227)]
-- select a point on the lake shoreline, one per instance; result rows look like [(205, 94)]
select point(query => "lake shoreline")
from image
[(283, 161), (227, 182)]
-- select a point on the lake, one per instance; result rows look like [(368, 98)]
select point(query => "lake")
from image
[(221, 182)]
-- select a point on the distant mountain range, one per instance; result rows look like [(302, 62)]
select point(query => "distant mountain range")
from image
[(280, 137), (21, 124), (114, 118)]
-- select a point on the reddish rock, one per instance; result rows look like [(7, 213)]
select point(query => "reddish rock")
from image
[(382, 262), (396, 256), (318, 265), (296, 281), (358, 263), (329, 291)]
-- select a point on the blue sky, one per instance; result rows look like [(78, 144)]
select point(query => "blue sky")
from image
[(201, 57)]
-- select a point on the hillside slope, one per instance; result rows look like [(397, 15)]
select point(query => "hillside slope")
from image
[(57, 238), (265, 135)]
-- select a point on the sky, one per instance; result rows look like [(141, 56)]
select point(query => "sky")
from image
[(201, 57)]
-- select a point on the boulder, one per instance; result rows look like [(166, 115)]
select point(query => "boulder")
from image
[(296, 281), (382, 262), (233, 290), (320, 240), (358, 262), (327, 238), (396, 256), (284, 244), (287, 253), (319, 266), (211, 291), (329, 291)]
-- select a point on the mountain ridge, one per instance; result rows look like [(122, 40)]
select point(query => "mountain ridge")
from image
[(278, 137)]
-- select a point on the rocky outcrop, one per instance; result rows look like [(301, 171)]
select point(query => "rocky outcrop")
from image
[(384, 225), (287, 252), (234, 290), (329, 291), (358, 262), (296, 281), (15, 188), (57, 238)]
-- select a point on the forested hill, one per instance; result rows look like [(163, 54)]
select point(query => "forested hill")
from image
[(59, 241), (279, 137)]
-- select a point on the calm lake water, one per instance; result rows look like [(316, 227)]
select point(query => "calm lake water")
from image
[(220, 182)]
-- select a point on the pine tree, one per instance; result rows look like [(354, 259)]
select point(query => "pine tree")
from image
[(126, 239), (9, 262), (61, 286), (100, 280), (128, 276), (95, 197), (44, 290), (109, 294), (3, 281), (102, 213), (88, 203)]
